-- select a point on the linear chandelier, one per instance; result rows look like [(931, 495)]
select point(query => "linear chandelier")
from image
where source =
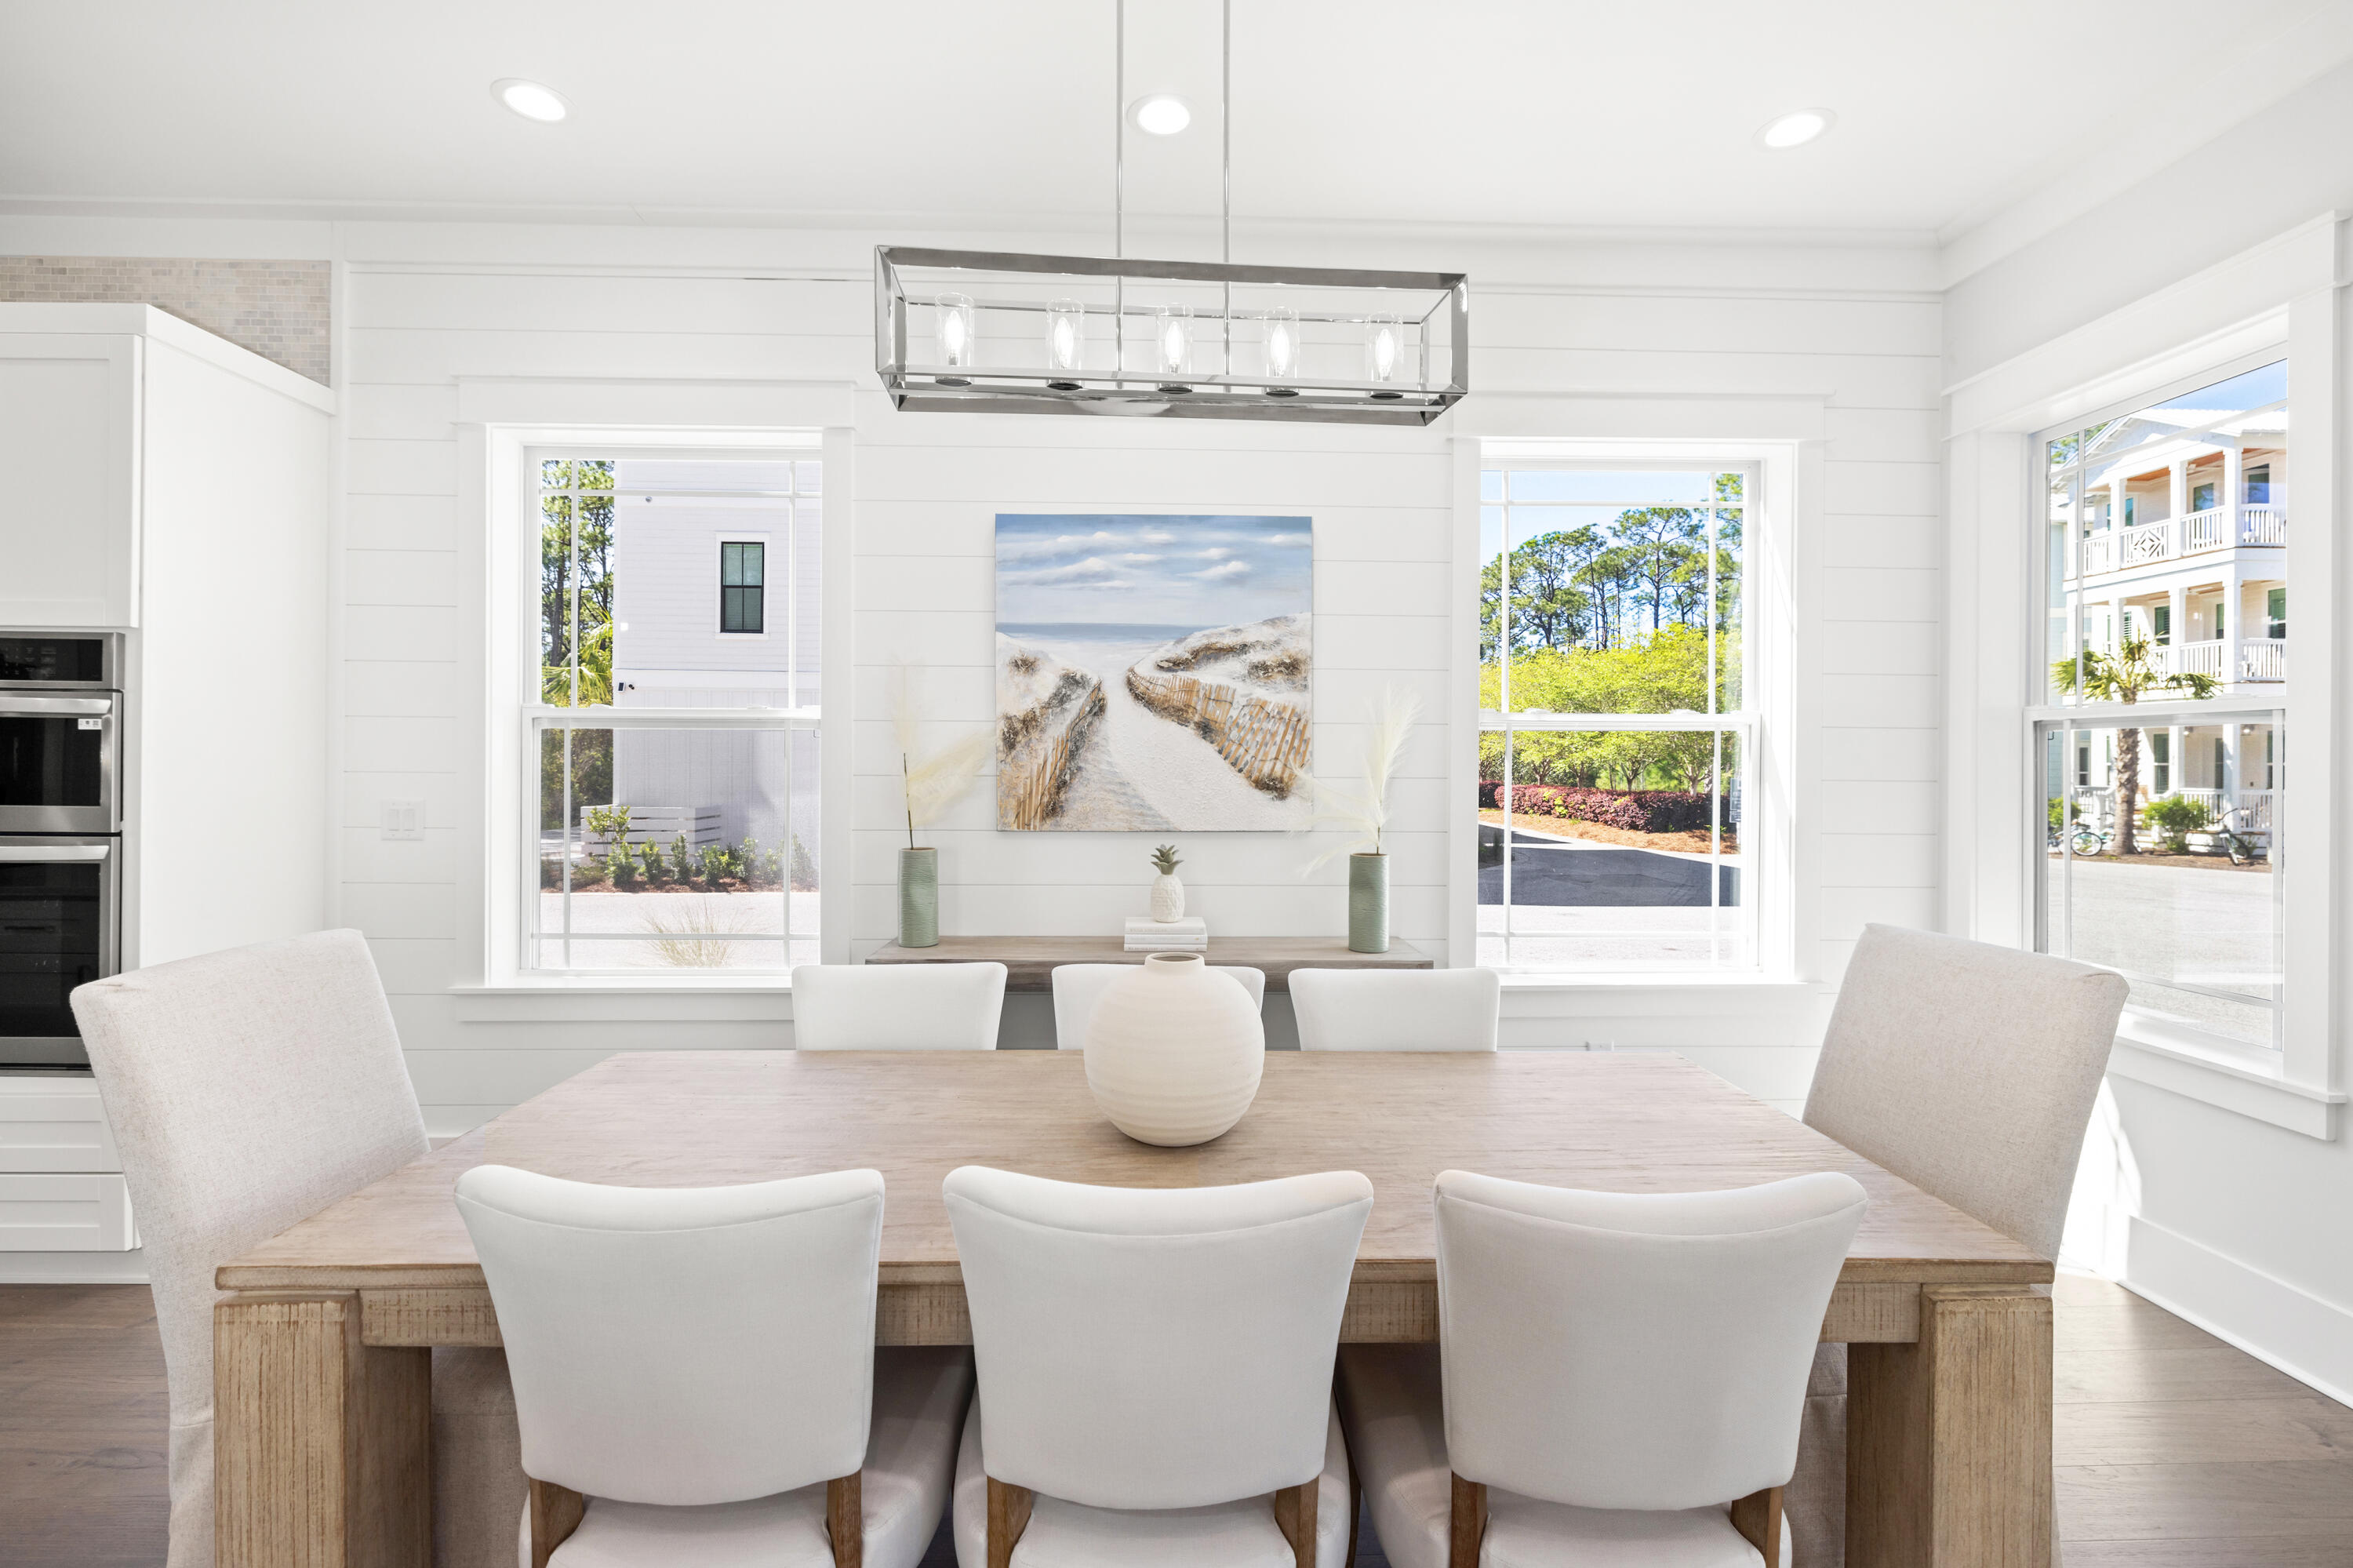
[(1000, 333)]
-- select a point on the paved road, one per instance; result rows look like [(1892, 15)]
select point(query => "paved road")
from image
[(2213, 929), (1576, 873)]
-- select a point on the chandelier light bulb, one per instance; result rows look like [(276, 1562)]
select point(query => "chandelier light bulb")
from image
[(1383, 347), (957, 331), (1283, 343), (1065, 337), (1172, 339)]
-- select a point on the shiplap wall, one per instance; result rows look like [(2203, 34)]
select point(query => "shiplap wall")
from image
[(425, 307)]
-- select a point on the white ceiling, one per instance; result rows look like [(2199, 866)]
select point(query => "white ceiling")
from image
[(1475, 111)]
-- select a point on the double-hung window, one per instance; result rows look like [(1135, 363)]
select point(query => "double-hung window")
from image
[(742, 587), (1615, 725), (2162, 842), (674, 811)]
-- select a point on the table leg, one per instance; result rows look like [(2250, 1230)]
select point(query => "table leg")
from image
[(1949, 1440), (323, 1445)]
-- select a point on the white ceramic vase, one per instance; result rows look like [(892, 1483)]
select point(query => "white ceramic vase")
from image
[(1175, 1051), (1168, 898)]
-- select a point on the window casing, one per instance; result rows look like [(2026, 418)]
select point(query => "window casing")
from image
[(672, 778), (2165, 857), (1616, 726)]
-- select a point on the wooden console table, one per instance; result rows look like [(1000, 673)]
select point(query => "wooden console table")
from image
[(1029, 960)]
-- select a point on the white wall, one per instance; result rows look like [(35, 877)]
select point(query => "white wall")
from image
[(1728, 337), (2245, 1226), (1837, 348)]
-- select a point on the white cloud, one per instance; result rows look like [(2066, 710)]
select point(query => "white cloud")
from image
[(1225, 571), (1092, 572), (1216, 553), (1287, 539), (1154, 537), (1134, 557)]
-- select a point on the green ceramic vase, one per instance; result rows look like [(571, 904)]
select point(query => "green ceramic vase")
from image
[(919, 898), (1368, 903)]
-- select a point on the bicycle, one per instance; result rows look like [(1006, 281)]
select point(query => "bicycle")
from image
[(2089, 840), (2241, 849)]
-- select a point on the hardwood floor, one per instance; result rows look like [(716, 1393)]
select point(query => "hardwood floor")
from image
[(82, 1417), (2174, 1450)]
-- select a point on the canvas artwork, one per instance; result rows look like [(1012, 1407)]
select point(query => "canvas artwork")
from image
[(1153, 673)]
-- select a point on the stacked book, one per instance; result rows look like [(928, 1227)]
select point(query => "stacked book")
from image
[(1189, 936)]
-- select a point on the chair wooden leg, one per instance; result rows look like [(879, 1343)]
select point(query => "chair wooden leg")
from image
[(845, 1520), (1294, 1515), (1758, 1517), (556, 1513), (1009, 1516), (1469, 1527), (1356, 1508)]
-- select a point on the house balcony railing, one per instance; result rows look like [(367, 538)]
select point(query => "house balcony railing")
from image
[(2260, 659), (2191, 534)]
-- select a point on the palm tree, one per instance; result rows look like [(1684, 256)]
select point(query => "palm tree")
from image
[(2122, 677)]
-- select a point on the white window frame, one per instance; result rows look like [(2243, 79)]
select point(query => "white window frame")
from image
[(2160, 709), (539, 716), (1766, 723), (499, 421), (2283, 299)]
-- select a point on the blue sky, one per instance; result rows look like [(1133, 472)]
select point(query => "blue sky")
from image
[(1152, 569)]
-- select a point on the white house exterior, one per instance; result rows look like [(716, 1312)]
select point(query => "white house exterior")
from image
[(689, 631), (2183, 541)]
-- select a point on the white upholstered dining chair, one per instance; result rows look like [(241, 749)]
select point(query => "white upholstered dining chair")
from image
[(897, 1007), (1078, 987), (248, 1090), (1395, 1010), (697, 1379), (1619, 1377), (1154, 1371), (1969, 1070)]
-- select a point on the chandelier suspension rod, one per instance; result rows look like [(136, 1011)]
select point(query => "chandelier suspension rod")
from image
[(1119, 187), (1226, 160)]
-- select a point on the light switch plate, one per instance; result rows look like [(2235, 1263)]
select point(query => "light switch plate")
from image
[(403, 818)]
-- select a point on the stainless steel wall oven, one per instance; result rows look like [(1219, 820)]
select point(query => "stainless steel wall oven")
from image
[(61, 835)]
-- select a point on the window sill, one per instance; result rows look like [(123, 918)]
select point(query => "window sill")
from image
[(1535, 994), (2245, 1079), (605, 999)]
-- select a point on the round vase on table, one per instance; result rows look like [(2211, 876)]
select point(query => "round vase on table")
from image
[(1368, 903), (1175, 1051), (919, 898)]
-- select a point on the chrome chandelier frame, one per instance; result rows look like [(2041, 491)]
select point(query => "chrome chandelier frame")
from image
[(1420, 320)]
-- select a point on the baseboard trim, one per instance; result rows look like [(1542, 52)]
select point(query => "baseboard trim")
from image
[(2309, 1339), (73, 1268)]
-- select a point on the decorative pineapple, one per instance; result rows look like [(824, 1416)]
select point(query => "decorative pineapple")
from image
[(1167, 893)]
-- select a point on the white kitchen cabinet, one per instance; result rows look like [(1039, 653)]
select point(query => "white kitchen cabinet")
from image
[(162, 483), (68, 479)]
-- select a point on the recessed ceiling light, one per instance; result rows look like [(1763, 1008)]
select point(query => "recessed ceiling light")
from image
[(1159, 115), (530, 100), (1795, 129)]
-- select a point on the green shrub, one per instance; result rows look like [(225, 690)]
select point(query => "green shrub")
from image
[(714, 862), (681, 860), (650, 863), (2176, 817), (804, 867), (589, 873)]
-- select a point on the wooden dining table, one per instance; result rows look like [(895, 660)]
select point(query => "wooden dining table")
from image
[(322, 1344)]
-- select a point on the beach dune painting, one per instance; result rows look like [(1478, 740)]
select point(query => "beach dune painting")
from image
[(1155, 673)]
